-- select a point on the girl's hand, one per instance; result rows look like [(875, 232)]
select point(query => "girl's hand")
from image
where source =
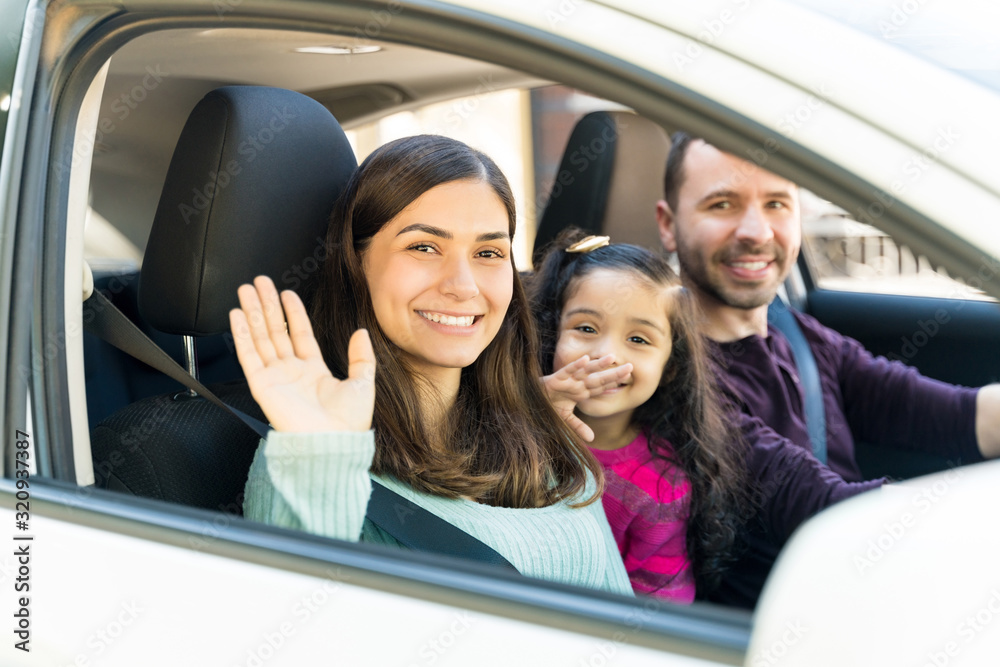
[(579, 380), (285, 369)]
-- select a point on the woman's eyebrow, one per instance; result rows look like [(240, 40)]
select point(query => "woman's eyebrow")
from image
[(445, 234), (427, 229)]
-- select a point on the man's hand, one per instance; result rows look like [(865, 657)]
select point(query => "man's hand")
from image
[(579, 380), (285, 369)]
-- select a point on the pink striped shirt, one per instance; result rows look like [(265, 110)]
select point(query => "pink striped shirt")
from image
[(648, 502)]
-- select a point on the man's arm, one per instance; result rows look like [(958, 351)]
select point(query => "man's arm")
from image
[(988, 421)]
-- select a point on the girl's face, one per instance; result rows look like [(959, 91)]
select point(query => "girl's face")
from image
[(617, 312), (441, 276)]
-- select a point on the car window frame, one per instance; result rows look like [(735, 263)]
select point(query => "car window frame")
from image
[(60, 85)]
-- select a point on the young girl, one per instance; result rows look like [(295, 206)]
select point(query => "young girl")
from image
[(419, 282), (675, 488)]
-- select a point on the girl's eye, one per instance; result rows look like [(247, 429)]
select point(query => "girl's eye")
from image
[(585, 328), (638, 339)]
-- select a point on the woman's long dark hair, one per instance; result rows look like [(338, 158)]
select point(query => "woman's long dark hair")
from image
[(686, 410), (505, 444)]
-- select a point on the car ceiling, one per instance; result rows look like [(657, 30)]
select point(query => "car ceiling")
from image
[(139, 124)]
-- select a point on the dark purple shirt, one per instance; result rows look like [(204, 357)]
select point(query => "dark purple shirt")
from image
[(865, 398)]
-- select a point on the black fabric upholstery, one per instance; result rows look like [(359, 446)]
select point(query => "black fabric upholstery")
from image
[(580, 198), (249, 191), (183, 450), (269, 217), (609, 180)]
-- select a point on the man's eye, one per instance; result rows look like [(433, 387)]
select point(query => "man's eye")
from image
[(722, 205), (776, 204)]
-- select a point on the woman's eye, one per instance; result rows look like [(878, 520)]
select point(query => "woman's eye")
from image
[(491, 254), (422, 247)]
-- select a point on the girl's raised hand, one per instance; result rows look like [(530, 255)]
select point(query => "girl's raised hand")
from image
[(285, 369), (579, 380)]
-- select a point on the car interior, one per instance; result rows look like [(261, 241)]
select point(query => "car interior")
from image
[(177, 108)]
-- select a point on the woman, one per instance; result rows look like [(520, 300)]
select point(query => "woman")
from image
[(420, 283)]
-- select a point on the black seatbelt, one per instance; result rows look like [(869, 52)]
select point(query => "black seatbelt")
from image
[(411, 525), (416, 528), (812, 393)]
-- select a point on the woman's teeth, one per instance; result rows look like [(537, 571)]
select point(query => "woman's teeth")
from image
[(450, 320)]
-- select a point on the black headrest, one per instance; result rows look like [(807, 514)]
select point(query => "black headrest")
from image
[(609, 180), (249, 191)]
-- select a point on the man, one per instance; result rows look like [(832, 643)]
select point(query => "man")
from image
[(736, 230)]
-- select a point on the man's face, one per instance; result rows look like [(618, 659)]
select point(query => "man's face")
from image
[(736, 229)]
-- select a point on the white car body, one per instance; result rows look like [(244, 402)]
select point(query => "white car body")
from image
[(111, 586)]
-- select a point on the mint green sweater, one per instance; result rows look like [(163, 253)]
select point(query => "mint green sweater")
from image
[(319, 483)]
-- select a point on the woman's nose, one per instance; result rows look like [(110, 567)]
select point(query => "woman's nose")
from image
[(459, 280)]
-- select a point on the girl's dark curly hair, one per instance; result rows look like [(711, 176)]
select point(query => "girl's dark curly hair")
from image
[(685, 420)]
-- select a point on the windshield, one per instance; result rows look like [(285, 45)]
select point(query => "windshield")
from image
[(960, 35)]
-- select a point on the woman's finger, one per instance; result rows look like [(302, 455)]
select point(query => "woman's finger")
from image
[(250, 303), (299, 327), (246, 351), (361, 357), (274, 316)]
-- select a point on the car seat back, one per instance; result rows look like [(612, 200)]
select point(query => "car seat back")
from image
[(248, 192), (609, 180)]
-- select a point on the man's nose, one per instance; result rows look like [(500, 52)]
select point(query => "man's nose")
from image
[(754, 228)]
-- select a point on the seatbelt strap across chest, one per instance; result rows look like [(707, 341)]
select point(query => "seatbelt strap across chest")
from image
[(781, 317), (411, 525)]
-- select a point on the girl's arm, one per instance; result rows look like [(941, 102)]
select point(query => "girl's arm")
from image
[(578, 381)]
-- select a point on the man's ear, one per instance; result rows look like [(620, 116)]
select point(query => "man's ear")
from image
[(665, 221)]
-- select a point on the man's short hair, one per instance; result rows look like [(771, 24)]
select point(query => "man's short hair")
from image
[(674, 176)]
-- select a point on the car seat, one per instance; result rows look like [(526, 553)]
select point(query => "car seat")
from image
[(249, 191), (609, 180)]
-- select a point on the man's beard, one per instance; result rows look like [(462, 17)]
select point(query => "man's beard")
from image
[(696, 272)]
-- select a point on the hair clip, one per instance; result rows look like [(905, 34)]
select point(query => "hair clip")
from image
[(589, 243)]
